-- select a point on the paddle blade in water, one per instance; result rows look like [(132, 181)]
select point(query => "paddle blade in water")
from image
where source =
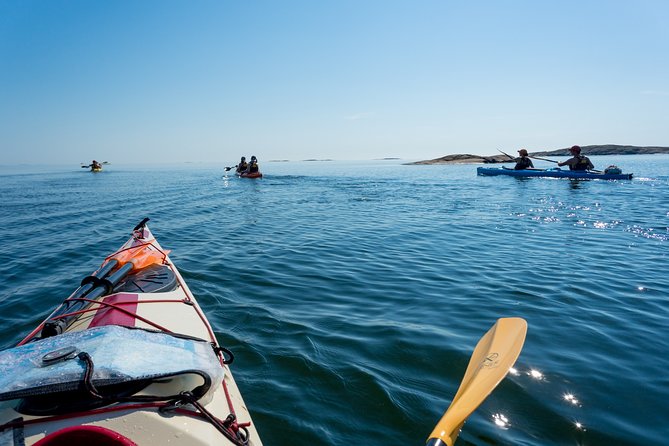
[(493, 356)]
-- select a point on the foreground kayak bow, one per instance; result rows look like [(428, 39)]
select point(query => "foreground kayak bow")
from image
[(128, 359)]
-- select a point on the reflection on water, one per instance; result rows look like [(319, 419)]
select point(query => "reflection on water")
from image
[(536, 374), (572, 399), (501, 420)]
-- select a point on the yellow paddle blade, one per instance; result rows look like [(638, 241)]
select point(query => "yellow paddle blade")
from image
[(493, 356)]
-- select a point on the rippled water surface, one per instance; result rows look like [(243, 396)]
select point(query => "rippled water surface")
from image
[(353, 294)]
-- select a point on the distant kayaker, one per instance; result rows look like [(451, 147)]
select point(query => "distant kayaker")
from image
[(523, 162), (95, 165), (242, 166), (577, 161), (253, 165)]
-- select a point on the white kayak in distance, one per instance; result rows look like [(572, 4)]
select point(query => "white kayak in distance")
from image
[(128, 359)]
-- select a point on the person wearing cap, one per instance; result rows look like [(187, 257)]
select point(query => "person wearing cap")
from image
[(523, 161), (253, 165), (242, 166), (577, 161)]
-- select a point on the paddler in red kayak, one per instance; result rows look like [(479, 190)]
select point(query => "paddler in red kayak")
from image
[(253, 165), (242, 166)]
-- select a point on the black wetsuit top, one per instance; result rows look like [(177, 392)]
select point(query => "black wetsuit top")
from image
[(523, 163)]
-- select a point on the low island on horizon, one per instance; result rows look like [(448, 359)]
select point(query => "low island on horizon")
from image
[(594, 150)]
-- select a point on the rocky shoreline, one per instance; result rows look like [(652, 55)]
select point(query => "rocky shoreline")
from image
[(609, 149)]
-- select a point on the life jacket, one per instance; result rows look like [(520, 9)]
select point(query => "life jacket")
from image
[(241, 167), (253, 167), (582, 163)]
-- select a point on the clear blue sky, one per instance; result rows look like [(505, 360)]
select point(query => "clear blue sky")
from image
[(208, 81)]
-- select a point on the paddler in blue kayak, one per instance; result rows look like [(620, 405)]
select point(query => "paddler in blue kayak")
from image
[(577, 161), (242, 166), (523, 161)]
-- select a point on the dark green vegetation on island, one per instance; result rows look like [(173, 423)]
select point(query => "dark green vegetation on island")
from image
[(608, 149)]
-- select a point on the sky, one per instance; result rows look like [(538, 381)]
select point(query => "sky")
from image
[(142, 81)]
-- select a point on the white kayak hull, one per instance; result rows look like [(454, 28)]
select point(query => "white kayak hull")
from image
[(173, 311)]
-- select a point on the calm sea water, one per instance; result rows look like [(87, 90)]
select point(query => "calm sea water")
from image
[(353, 294)]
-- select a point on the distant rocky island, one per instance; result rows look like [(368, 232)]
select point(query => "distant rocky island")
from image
[(609, 149)]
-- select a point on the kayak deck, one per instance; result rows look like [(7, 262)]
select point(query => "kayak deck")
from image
[(551, 173), (149, 414)]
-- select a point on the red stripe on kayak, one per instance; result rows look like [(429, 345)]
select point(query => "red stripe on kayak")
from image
[(111, 316)]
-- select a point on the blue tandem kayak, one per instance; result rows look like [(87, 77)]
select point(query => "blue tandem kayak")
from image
[(552, 173)]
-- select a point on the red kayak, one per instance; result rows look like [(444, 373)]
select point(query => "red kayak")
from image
[(250, 175)]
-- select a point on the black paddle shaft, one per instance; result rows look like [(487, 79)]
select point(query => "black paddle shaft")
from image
[(96, 287), (92, 287)]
